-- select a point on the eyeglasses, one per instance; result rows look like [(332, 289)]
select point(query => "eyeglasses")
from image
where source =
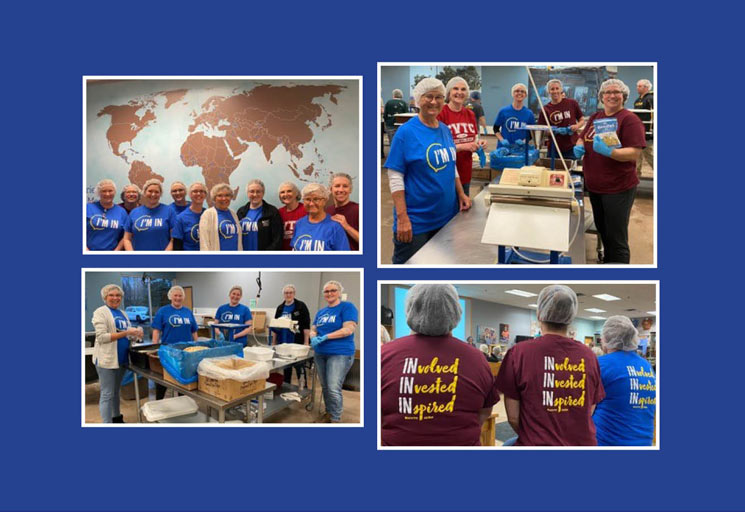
[(431, 98), (332, 290), (198, 191), (313, 199), (611, 93)]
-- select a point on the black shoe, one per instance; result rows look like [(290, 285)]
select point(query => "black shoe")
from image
[(118, 419)]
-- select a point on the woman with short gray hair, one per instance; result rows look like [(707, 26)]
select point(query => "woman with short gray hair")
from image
[(130, 197), (110, 352), (609, 146), (626, 416), (293, 309), (317, 231), (219, 226), (421, 375), (421, 165), (261, 223), (394, 106), (105, 222)]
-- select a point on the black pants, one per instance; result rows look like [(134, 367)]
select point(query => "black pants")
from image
[(611, 213), (160, 392)]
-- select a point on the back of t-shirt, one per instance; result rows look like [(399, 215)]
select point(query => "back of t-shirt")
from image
[(557, 381), (432, 389)]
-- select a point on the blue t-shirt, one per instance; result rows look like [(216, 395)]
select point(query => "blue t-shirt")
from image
[(122, 344), (105, 226), (510, 121), (151, 227), (286, 335), (240, 314), (178, 209), (426, 157), (327, 235), (250, 228), (175, 325), (330, 319), (228, 230), (187, 229), (626, 416)]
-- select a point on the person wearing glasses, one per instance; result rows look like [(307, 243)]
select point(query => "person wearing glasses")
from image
[(610, 168), (511, 120), (105, 222), (186, 231), (296, 310), (564, 117), (178, 193), (425, 187), (261, 223), (219, 227), (332, 339), (317, 231)]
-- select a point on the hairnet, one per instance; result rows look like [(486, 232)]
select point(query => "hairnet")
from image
[(102, 184), (557, 304), (398, 93), (618, 83), (426, 85), (432, 309), (620, 334), (646, 83), (519, 86), (108, 288), (475, 95)]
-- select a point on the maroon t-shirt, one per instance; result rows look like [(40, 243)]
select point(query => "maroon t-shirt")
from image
[(351, 212), (564, 113), (431, 391), (464, 129), (557, 381), (288, 221), (604, 175)]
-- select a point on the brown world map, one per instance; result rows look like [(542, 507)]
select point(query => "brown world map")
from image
[(267, 115)]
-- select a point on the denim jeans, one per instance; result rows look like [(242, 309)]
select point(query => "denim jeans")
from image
[(332, 370), (110, 380), (403, 251)]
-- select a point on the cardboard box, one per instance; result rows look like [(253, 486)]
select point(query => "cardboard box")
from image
[(167, 377), (230, 389)]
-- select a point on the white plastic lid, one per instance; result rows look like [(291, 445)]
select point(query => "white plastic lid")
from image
[(169, 408)]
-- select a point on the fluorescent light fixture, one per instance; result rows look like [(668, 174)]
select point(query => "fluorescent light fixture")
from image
[(653, 313), (521, 293), (598, 318), (595, 310), (606, 297), (532, 305)]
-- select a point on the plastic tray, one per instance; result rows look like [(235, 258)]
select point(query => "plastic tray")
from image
[(169, 408), (258, 353), (292, 350)]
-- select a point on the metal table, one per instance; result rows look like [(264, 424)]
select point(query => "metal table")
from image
[(459, 241), (278, 404), (211, 401)]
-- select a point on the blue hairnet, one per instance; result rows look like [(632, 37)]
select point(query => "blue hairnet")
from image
[(620, 334), (475, 95), (432, 309), (557, 304)]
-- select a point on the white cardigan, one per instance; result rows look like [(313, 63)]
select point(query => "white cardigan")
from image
[(105, 349), (209, 236)]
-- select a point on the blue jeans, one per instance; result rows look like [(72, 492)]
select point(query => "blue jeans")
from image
[(332, 370), (510, 442), (403, 251), (111, 381)]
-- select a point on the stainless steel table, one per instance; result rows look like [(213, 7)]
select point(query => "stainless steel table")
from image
[(278, 404), (459, 241), (211, 401)]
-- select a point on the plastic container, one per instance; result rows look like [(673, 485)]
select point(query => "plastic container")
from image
[(258, 353), (293, 350), (169, 408), (197, 417)]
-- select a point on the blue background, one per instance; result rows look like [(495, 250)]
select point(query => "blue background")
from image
[(50, 462)]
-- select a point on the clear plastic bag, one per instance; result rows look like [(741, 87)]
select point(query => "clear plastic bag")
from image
[(234, 368), (182, 365)]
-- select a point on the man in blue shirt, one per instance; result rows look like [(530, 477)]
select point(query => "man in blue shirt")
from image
[(512, 118)]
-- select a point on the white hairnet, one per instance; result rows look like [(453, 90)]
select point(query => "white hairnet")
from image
[(432, 309), (452, 83), (620, 334), (426, 85), (557, 304)]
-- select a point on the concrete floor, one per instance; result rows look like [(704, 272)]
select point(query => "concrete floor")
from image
[(641, 223), (296, 413)]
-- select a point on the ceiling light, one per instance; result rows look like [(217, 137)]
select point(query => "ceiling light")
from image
[(595, 310), (653, 313), (597, 318), (532, 305), (521, 293), (606, 297)]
